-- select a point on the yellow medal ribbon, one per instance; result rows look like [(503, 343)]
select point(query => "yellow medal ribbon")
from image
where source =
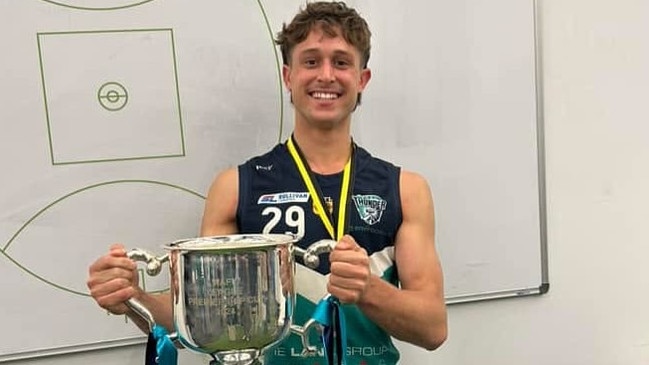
[(317, 200), (328, 311)]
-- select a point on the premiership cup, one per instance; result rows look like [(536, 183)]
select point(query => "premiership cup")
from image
[(233, 295)]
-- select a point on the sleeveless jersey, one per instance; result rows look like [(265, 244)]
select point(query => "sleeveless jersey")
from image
[(273, 198)]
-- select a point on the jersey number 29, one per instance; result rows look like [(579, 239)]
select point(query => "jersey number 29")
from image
[(293, 218)]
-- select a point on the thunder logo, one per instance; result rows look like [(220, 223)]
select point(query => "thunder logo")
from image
[(370, 207)]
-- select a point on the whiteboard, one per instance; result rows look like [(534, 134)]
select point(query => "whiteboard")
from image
[(116, 114)]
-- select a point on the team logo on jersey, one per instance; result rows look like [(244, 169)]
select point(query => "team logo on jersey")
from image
[(285, 197), (370, 207)]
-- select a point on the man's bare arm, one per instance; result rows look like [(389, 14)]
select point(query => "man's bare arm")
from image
[(219, 216), (416, 312)]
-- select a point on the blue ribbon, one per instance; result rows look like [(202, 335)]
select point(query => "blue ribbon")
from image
[(160, 350), (330, 315)]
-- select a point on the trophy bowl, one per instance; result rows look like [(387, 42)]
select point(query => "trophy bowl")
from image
[(232, 295)]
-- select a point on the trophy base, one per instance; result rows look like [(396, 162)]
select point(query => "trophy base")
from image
[(238, 357)]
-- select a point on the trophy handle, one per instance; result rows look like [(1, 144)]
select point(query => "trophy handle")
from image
[(312, 260), (153, 268), (303, 331), (312, 253)]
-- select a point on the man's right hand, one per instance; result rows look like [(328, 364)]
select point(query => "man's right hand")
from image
[(113, 279)]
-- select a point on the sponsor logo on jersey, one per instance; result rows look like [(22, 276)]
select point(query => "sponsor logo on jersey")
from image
[(285, 197), (265, 168), (363, 352), (370, 207)]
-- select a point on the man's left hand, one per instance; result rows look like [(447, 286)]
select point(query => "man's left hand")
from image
[(350, 271)]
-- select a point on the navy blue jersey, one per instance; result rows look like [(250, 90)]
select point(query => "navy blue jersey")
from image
[(273, 198)]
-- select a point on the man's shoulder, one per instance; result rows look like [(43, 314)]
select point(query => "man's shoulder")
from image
[(275, 153), (366, 160)]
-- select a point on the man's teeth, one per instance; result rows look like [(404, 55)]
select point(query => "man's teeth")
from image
[(321, 95)]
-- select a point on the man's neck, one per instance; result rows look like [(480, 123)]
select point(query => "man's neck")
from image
[(326, 151)]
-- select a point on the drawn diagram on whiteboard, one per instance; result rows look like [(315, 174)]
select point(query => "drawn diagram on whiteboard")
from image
[(109, 152), (117, 200), (145, 213), (112, 96), (81, 92), (98, 4)]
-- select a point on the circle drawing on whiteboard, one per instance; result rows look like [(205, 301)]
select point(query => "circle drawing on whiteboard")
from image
[(112, 96), (98, 5), (130, 209)]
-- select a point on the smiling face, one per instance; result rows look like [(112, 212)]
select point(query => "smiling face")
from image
[(324, 77)]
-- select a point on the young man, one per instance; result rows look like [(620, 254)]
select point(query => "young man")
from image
[(385, 268)]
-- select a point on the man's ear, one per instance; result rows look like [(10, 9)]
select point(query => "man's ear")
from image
[(286, 77), (366, 75)]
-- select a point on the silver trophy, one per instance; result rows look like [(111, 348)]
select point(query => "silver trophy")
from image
[(232, 296)]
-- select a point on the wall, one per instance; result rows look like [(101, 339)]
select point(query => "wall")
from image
[(595, 56)]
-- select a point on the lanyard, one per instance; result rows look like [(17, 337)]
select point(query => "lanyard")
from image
[(328, 311), (160, 350), (316, 193)]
